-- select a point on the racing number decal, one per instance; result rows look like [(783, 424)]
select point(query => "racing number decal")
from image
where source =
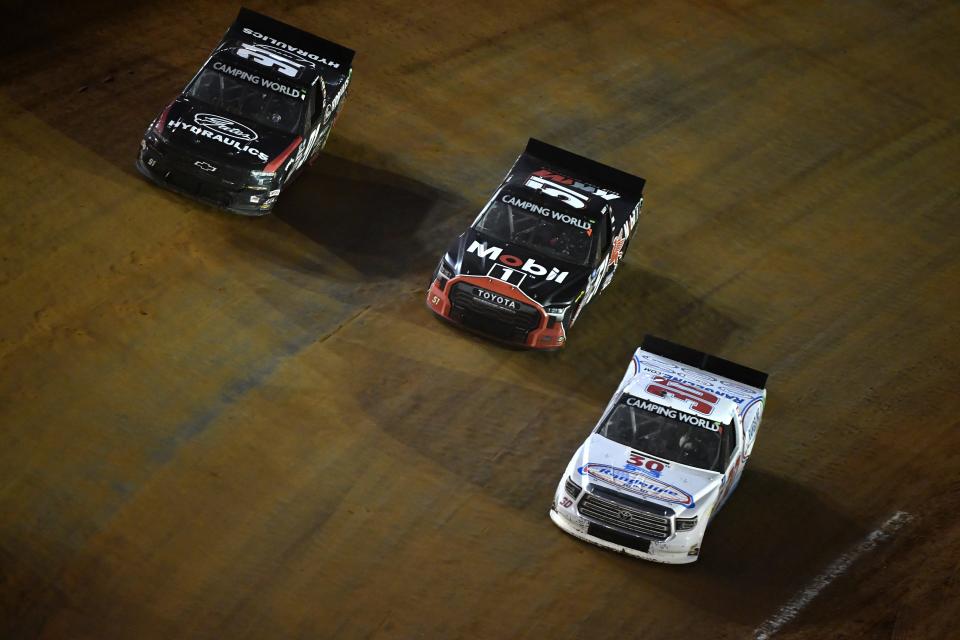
[(638, 462), (700, 401), (564, 194), (506, 274), (270, 59)]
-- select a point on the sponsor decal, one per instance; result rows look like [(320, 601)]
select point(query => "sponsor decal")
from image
[(226, 126), (495, 299), (673, 414), (752, 410), (223, 130), (632, 219), (755, 423), (506, 274), (303, 150), (646, 464), (671, 370), (700, 400), (284, 48), (546, 212), (204, 166), (335, 101), (616, 249), (529, 266), (637, 483), (259, 81)]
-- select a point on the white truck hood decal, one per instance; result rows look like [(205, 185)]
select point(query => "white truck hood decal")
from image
[(613, 465)]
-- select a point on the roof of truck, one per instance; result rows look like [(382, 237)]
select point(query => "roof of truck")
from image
[(689, 389)]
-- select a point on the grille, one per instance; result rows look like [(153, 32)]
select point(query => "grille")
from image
[(625, 517), (616, 537), (200, 188), (571, 488), (226, 177), (498, 321)]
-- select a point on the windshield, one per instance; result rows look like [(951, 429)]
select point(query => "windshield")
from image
[(553, 233), (670, 434), (241, 98)]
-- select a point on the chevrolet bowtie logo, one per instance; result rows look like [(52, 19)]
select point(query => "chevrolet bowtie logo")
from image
[(206, 166)]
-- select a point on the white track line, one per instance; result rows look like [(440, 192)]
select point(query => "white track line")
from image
[(790, 610)]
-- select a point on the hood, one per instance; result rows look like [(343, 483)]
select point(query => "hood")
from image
[(614, 466), (200, 130), (547, 280)]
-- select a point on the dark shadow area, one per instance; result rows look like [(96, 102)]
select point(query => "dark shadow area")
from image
[(381, 222), (513, 443), (71, 68), (29, 595), (518, 460), (475, 335), (612, 326), (511, 440), (27, 27), (377, 223), (101, 91), (771, 538)]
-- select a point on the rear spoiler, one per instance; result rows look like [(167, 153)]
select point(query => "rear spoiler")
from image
[(257, 28), (704, 361), (586, 169)]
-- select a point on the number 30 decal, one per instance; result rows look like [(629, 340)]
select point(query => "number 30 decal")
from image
[(638, 461)]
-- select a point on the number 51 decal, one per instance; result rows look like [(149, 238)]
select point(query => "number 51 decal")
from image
[(268, 58)]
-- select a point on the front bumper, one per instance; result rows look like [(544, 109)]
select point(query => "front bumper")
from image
[(199, 186), (679, 548), (536, 331)]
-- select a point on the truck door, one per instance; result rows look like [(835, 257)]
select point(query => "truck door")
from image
[(319, 129), (731, 475)]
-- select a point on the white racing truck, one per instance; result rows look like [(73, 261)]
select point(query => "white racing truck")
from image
[(667, 453)]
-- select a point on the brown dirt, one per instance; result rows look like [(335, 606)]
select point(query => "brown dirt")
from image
[(244, 428)]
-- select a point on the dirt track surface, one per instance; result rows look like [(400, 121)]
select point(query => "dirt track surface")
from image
[(215, 426)]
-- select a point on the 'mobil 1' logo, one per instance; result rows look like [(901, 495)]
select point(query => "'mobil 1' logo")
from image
[(529, 265)]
